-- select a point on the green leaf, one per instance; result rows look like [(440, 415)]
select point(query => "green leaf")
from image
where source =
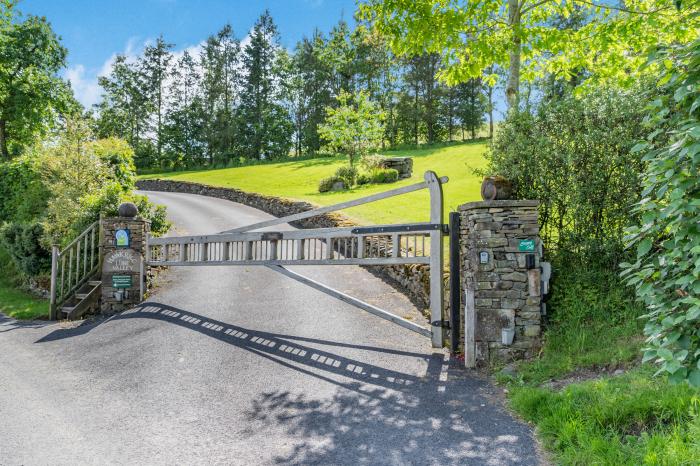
[(644, 247), (694, 378), (665, 353)]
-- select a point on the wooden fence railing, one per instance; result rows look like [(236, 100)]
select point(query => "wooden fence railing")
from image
[(73, 266)]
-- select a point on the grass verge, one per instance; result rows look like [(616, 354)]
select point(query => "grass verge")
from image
[(15, 302), (587, 395)]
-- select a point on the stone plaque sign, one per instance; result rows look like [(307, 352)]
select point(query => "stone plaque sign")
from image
[(121, 260), (121, 281), (122, 238), (526, 245)]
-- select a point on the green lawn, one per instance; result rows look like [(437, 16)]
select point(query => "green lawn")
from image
[(299, 180), (19, 304)]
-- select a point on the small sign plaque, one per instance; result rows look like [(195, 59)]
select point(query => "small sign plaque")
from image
[(484, 257), (121, 281), (526, 245), (122, 238)]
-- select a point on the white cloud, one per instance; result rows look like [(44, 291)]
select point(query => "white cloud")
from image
[(85, 88), (84, 81)]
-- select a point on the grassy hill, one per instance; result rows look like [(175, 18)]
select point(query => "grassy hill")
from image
[(298, 179)]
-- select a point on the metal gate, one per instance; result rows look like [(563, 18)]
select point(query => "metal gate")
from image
[(414, 243)]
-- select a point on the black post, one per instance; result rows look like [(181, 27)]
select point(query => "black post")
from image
[(455, 282)]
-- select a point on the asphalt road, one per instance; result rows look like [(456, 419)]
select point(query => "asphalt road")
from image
[(243, 365)]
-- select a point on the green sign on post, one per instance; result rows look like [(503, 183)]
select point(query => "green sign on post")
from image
[(121, 281), (526, 245)]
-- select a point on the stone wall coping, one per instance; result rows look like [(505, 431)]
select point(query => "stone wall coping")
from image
[(499, 203)]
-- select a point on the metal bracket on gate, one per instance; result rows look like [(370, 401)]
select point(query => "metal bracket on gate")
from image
[(272, 236), (398, 228), (441, 323)]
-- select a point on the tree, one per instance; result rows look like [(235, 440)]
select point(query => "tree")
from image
[(265, 129), (221, 81), (184, 119), (472, 106), (154, 66), (125, 108), (30, 91), (355, 127), (519, 36)]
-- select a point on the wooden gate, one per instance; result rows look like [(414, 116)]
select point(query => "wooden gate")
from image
[(378, 245)]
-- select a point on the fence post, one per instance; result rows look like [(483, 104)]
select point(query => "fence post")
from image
[(54, 274), (436, 262)]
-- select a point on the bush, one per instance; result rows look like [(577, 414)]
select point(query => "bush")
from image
[(574, 155), (23, 243), (363, 178), (666, 268), (347, 174), (23, 196), (370, 162), (326, 184), (384, 175), (119, 155)]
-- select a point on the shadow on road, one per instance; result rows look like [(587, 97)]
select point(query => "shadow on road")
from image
[(382, 416)]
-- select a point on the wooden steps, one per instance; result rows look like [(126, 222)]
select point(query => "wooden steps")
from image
[(85, 299)]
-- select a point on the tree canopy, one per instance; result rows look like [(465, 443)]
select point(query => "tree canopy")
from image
[(31, 93), (525, 37)]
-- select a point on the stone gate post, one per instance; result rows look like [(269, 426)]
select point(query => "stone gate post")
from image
[(500, 254), (122, 248)]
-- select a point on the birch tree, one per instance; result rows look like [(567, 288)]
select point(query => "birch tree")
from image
[(518, 35)]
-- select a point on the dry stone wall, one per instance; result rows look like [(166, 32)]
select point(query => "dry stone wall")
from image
[(502, 285)]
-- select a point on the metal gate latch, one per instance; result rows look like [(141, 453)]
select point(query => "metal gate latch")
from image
[(441, 323)]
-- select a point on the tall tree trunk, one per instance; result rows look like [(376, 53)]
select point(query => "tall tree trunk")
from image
[(3, 140), (415, 116), (514, 55), (490, 94)]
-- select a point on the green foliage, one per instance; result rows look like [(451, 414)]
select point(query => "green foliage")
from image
[(23, 196), (384, 175), (30, 90), (526, 38), (347, 174), (354, 128), (632, 419), (56, 190), (264, 126), (326, 184), (666, 272), (627, 420), (17, 303), (23, 243), (587, 305), (119, 155), (363, 178), (574, 156)]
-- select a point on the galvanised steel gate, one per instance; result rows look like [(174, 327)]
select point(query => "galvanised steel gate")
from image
[(414, 243)]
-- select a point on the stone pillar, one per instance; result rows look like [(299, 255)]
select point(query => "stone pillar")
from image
[(501, 253), (122, 248)]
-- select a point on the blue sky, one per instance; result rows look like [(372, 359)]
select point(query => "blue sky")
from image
[(94, 31)]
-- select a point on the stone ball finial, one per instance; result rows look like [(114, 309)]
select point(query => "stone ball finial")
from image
[(128, 209), (496, 188)]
